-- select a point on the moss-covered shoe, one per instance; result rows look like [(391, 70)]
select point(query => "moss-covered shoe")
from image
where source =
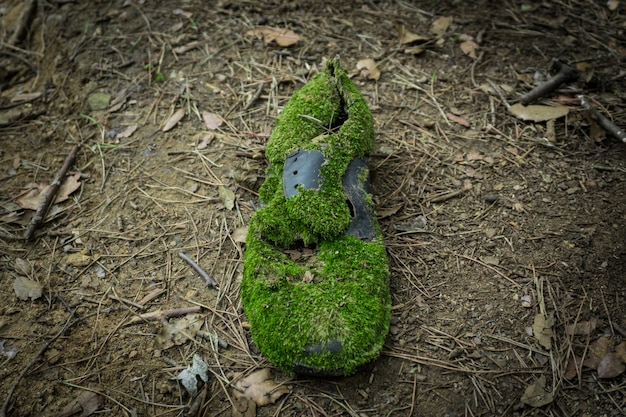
[(315, 281)]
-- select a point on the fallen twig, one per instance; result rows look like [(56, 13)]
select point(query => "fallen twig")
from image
[(43, 208), (151, 296), (254, 97), (564, 74), (451, 194), (209, 281), (606, 124), (162, 314)]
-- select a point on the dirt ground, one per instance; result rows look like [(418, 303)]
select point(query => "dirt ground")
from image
[(506, 237)]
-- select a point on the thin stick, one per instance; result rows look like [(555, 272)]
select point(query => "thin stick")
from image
[(565, 74), (162, 314), (209, 281), (602, 120), (43, 208), (67, 325), (254, 97)]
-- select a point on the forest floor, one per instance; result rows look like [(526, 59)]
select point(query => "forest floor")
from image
[(506, 232)]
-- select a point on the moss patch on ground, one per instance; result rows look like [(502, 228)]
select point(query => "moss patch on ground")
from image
[(340, 295)]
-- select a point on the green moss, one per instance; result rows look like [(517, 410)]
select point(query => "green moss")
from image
[(330, 115), (341, 292)]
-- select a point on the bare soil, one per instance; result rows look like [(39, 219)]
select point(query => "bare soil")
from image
[(492, 223)]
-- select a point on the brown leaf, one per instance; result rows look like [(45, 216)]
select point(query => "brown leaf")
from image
[(368, 69), (535, 394), (405, 37), (542, 330), (469, 48), (259, 387), (282, 36), (211, 120), (27, 288), (611, 366), (239, 234), (173, 120), (23, 267), (388, 211), (187, 47), (473, 155), (86, 403), (70, 184), (34, 197), (414, 50), (228, 197), (179, 331), (441, 25), (458, 119), (582, 328), (597, 351), (573, 367), (308, 277), (126, 133)]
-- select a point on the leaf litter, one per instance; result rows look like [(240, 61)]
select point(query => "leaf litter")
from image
[(260, 387), (36, 193), (26, 288), (179, 331), (193, 374)]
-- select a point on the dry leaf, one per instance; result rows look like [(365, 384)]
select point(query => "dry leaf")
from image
[(23, 267), (474, 155), (282, 37), (80, 259), (542, 330), (34, 197), (187, 47), (612, 4), (458, 119), (240, 233), (189, 376), (228, 197), (211, 120), (414, 50), (572, 369), (368, 69), (25, 97), (26, 287), (308, 277), (179, 331), (173, 120), (597, 350), (405, 37), (490, 260), (70, 184), (390, 211), (86, 404), (538, 112), (126, 133), (206, 141), (441, 25), (611, 366), (582, 328), (243, 408), (260, 387), (535, 394), (469, 48)]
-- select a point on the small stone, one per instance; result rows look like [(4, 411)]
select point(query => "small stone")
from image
[(98, 101)]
